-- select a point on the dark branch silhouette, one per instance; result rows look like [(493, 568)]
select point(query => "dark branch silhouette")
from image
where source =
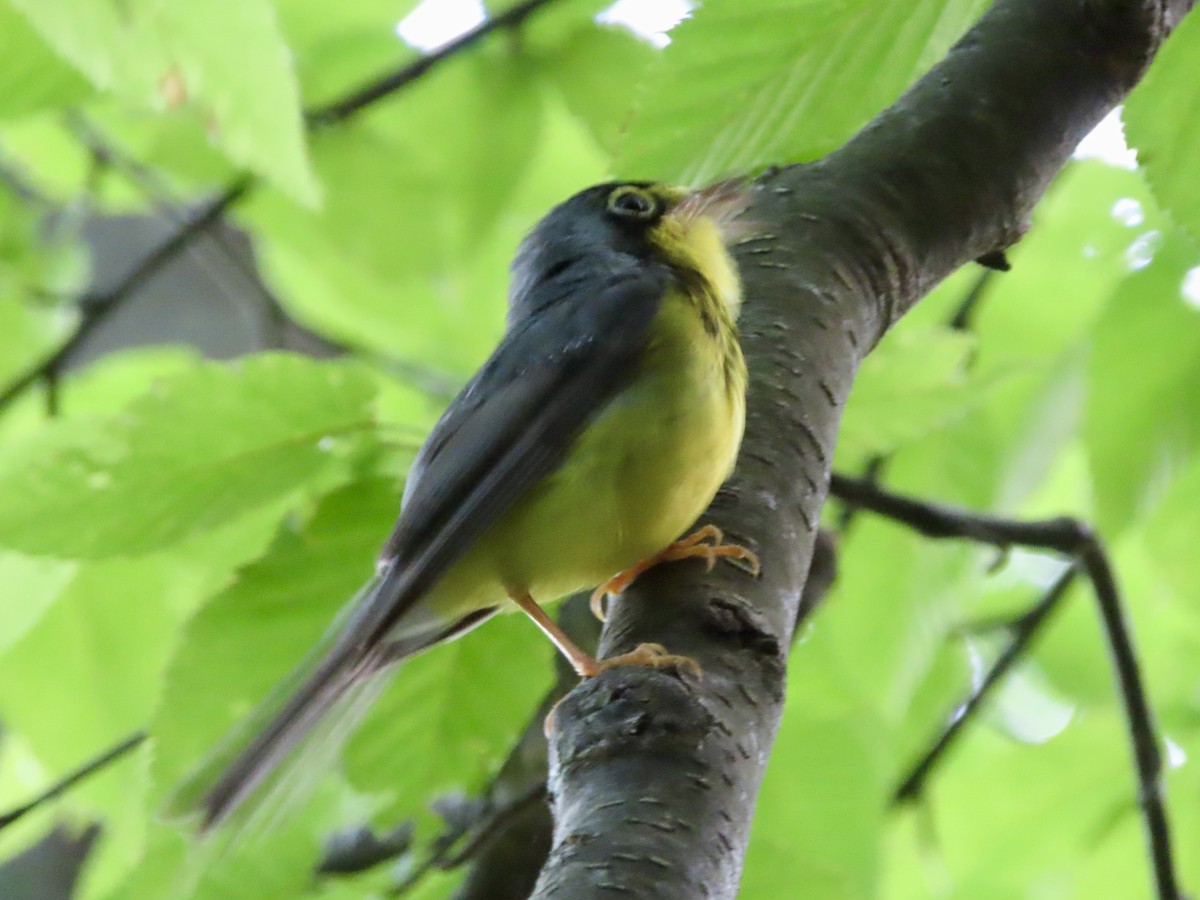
[(375, 89), (1024, 630), (93, 310), (1076, 540), (105, 759)]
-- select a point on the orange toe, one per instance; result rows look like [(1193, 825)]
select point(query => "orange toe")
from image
[(706, 542), (654, 656)]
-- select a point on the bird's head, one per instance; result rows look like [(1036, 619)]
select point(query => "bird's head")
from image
[(616, 224)]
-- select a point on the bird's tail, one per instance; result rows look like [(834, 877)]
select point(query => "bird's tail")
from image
[(305, 720)]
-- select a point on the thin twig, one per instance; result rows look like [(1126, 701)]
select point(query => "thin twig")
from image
[(375, 89), (1023, 632), (155, 187), (533, 794), (102, 761), (436, 383), (20, 186), (964, 314), (96, 309), (1063, 535), (872, 471), (441, 856), (1077, 541)]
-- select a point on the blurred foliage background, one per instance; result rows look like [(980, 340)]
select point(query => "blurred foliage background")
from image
[(206, 467)]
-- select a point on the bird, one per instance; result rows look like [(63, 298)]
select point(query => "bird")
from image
[(593, 437)]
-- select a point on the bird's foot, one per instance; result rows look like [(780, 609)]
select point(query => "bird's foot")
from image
[(653, 656), (707, 543)]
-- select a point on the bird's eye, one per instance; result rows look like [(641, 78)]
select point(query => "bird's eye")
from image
[(632, 203)]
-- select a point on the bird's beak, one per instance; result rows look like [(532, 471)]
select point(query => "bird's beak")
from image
[(724, 203)]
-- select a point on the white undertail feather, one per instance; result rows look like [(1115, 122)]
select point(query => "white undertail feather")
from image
[(276, 755), (317, 725), (294, 779)]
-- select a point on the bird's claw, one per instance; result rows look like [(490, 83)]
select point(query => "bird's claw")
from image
[(653, 656), (707, 543)]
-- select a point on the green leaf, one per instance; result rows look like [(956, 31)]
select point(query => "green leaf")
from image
[(410, 744), (946, 682), (39, 259), (1173, 531), (1184, 781), (33, 77), (882, 652), (106, 638), (1140, 423), (38, 582), (224, 59), (160, 873), (200, 449), (99, 39), (108, 633), (819, 814), (26, 334), (95, 648), (109, 385), (1093, 223), (372, 185), (458, 186), (309, 24), (1162, 122), (339, 46), (1164, 623), (741, 86), (276, 865), (234, 64), (1165, 612), (451, 715), (915, 382), (265, 623), (1079, 780), (597, 70), (48, 156), (407, 271)]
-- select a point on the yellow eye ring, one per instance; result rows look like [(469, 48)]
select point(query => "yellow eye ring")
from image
[(630, 202)]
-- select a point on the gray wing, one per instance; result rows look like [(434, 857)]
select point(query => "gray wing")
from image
[(515, 422)]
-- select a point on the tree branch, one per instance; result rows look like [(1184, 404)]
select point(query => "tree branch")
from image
[(1023, 632), (653, 777), (97, 308), (157, 190), (375, 89), (105, 759), (14, 180), (1074, 539), (964, 315), (509, 845)]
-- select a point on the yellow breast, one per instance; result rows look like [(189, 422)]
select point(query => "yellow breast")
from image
[(643, 472)]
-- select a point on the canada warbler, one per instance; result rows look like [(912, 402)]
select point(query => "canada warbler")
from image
[(597, 432)]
